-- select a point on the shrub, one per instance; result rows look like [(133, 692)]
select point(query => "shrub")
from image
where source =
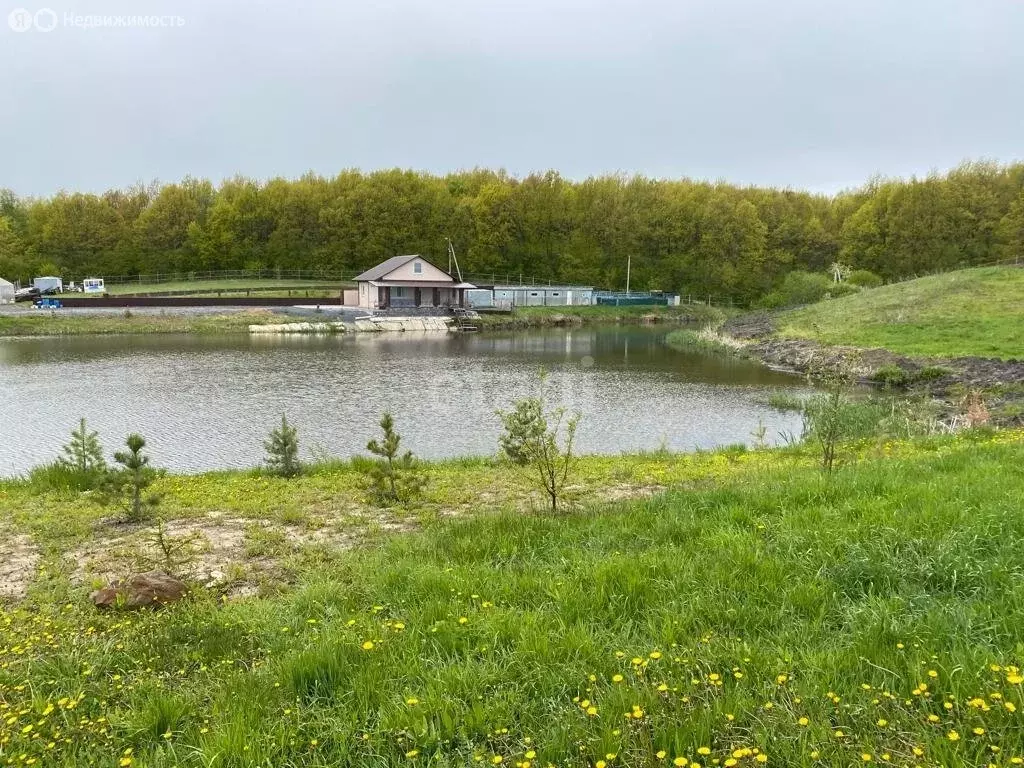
[(283, 450), (524, 425), (864, 279), (799, 287), (833, 417), (393, 478), (534, 433), (891, 376)]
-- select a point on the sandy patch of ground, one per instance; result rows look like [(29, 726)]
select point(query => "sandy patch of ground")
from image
[(233, 554), (626, 492), (19, 558)]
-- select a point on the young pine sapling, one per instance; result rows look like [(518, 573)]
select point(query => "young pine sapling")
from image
[(393, 478), (283, 450)]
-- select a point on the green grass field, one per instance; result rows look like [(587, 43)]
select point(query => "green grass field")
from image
[(971, 312), (756, 612), (210, 287)]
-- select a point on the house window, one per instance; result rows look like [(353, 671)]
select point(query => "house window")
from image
[(417, 267), (398, 292)]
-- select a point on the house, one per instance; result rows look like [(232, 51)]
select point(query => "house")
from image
[(6, 292), (406, 282)]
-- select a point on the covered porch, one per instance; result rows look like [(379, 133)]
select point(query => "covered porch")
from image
[(391, 296)]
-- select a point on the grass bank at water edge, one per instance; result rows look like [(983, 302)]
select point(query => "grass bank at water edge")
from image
[(65, 323), (758, 612), (538, 317)]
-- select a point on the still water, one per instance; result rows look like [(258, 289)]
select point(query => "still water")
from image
[(205, 403)]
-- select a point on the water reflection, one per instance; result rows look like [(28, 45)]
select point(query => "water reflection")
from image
[(208, 402)]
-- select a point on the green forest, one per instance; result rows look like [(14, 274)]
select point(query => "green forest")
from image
[(693, 237)]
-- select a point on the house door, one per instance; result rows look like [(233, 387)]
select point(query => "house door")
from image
[(382, 297), (419, 297), (436, 296)]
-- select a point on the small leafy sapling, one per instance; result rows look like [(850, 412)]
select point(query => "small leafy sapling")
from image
[(393, 478), (828, 418), (283, 450), (541, 440)]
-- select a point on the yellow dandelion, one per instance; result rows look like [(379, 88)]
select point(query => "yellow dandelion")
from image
[(412, 753), (803, 721), (979, 731), (953, 736), (680, 761), (660, 754), (704, 751), (368, 645)]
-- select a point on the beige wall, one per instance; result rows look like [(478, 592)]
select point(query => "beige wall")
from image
[(367, 296), (407, 272)]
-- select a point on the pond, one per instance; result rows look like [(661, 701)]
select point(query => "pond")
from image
[(208, 402)]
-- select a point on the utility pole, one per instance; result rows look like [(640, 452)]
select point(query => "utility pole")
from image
[(629, 263)]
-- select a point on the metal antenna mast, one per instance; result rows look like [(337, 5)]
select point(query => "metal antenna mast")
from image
[(451, 259)]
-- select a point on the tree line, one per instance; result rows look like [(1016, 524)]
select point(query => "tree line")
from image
[(686, 236)]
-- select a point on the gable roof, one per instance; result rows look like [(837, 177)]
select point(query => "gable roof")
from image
[(387, 267)]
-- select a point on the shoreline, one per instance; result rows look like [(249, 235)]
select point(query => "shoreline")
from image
[(948, 380), (231, 320)]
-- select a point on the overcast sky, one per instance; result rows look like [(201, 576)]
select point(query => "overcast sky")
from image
[(816, 94)]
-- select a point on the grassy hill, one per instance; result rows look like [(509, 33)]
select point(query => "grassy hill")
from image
[(757, 613), (972, 312)]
